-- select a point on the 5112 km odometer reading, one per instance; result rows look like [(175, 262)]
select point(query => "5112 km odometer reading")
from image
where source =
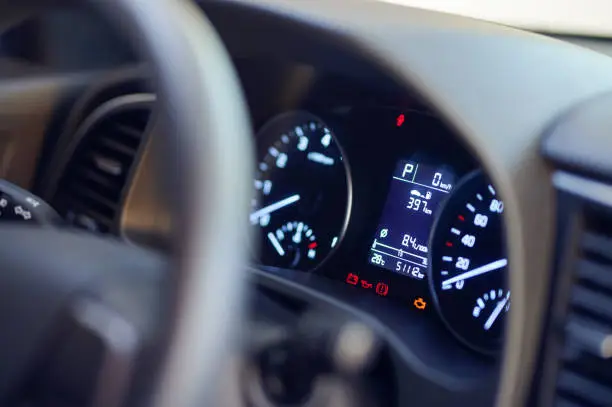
[(401, 243)]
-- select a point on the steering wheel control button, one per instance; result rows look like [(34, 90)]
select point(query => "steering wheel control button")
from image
[(120, 345), (277, 366), (19, 205), (322, 361)]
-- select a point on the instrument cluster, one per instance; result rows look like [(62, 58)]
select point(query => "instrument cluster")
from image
[(387, 201)]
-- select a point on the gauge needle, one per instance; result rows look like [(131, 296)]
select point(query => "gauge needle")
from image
[(274, 207), (320, 158), (496, 312), (297, 238), (275, 243), (487, 268)]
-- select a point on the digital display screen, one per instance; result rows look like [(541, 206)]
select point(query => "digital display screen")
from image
[(401, 243)]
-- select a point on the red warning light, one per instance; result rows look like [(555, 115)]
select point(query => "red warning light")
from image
[(367, 285), (400, 120), (461, 218), (352, 279), (382, 289), (449, 244), (313, 245)]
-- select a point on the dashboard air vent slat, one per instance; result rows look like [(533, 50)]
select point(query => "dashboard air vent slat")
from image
[(128, 130), (588, 333), (595, 274), (590, 302), (582, 387), (598, 244), (117, 147), (102, 180), (90, 192), (86, 193), (107, 165)]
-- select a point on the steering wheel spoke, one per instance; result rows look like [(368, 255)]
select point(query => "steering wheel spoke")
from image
[(103, 320), (90, 303)]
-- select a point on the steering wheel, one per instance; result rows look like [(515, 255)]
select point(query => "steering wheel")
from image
[(100, 322)]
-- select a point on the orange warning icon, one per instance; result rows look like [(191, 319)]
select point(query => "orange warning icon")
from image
[(420, 303)]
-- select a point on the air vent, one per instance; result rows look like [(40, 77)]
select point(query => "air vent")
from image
[(585, 374), (90, 191), (578, 344)]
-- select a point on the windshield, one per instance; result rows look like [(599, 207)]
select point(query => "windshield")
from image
[(576, 17)]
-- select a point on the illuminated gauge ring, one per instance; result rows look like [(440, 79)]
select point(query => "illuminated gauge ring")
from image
[(468, 264), (302, 175)]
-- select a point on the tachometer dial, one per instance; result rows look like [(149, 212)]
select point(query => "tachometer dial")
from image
[(469, 262), (302, 175)]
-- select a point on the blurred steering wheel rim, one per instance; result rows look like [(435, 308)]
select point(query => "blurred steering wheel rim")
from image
[(206, 167)]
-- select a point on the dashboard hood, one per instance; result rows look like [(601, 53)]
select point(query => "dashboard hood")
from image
[(459, 66)]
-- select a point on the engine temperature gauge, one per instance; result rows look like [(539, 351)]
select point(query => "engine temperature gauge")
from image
[(293, 245)]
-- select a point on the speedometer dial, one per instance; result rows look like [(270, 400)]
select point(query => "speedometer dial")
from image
[(468, 264), (303, 192)]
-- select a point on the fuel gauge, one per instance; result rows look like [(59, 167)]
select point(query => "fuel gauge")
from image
[(490, 307)]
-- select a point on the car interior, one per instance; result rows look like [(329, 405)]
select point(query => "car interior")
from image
[(293, 203)]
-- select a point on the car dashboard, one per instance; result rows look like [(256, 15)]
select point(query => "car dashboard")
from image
[(349, 186), (353, 185), (368, 196)]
